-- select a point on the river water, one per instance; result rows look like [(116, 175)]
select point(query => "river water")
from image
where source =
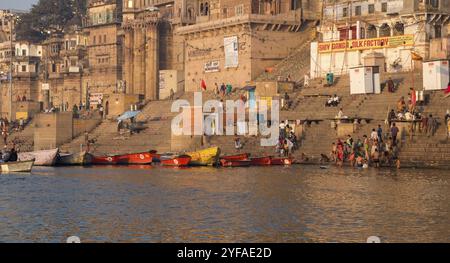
[(273, 204)]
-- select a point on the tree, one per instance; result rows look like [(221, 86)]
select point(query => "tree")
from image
[(50, 16)]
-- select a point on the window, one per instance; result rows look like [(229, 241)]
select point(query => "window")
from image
[(24, 68), (95, 40), (130, 3), (384, 7), (239, 10), (104, 39), (371, 8), (358, 10), (345, 12), (434, 3), (24, 52)]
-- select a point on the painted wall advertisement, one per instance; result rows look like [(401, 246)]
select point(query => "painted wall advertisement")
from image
[(364, 44), (231, 48), (212, 66)]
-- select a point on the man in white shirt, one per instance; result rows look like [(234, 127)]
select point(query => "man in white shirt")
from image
[(374, 135)]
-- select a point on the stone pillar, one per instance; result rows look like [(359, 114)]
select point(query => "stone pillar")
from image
[(152, 63), (138, 62), (128, 60)]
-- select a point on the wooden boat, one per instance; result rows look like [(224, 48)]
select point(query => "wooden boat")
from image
[(236, 163), (206, 157), (281, 161), (104, 160), (176, 161), (82, 158), (17, 167), (261, 161), (41, 158), (135, 158), (238, 157)]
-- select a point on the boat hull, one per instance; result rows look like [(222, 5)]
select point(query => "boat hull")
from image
[(82, 158), (135, 158), (104, 160), (239, 157), (176, 161), (261, 161), (236, 163), (206, 157), (41, 158), (17, 167), (282, 161)]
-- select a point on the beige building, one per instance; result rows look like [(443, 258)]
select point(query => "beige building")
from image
[(357, 33), (64, 78), (104, 46), (234, 41)]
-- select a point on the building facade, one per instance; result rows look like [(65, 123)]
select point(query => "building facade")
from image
[(395, 33)]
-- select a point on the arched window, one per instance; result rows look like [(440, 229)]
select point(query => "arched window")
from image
[(371, 31), (399, 29), (201, 9), (206, 9), (385, 30)]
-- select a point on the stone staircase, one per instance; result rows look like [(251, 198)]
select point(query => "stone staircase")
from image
[(310, 104), (297, 64), (421, 150), (156, 136), (24, 140)]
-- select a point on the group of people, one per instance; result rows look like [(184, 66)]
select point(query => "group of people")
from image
[(222, 90), (333, 101), (8, 154), (287, 142), (374, 150)]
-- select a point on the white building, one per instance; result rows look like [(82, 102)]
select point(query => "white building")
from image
[(384, 33)]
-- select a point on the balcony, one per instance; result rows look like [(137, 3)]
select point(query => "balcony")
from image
[(204, 23)]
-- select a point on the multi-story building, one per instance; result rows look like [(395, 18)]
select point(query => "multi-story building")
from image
[(392, 32), (104, 46), (64, 77), (7, 24), (234, 41)]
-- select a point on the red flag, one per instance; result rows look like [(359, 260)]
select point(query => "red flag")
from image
[(203, 85)]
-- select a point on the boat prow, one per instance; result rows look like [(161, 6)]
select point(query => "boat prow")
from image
[(206, 157), (41, 158), (17, 167)]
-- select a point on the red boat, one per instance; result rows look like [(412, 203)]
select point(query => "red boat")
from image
[(237, 163), (239, 157), (135, 158), (105, 160), (261, 161), (177, 161), (282, 161)]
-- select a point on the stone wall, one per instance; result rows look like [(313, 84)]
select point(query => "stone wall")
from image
[(52, 130)]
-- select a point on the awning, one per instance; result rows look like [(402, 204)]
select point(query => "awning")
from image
[(249, 88), (128, 115)]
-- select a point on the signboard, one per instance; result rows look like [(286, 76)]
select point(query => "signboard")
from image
[(95, 98), (212, 66), (162, 80), (365, 44), (45, 86), (231, 49)]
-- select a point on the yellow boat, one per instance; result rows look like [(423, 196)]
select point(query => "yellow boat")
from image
[(206, 157)]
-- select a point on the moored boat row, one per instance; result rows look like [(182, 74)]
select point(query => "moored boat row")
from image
[(205, 157)]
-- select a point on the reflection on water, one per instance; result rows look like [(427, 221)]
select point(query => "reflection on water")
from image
[(291, 204)]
